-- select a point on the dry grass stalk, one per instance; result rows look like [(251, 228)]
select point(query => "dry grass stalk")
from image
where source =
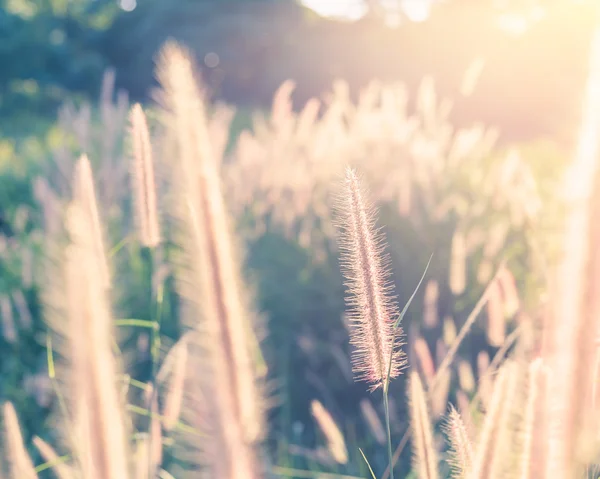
[(373, 421), (59, 468), (99, 438), (372, 311), (144, 189), (461, 449), (84, 193), (209, 270), (335, 438), (576, 296), (19, 462), (424, 454)]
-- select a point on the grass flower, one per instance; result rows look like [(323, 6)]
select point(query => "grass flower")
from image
[(144, 189), (372, 310), (425, 458)]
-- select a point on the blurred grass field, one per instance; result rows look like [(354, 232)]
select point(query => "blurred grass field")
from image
[(486, 206)]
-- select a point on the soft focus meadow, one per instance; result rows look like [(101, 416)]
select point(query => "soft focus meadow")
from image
[(367, 281)]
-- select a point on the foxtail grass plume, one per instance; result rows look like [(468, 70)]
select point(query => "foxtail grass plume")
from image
[(216, 305), (335, 438), (19, 462), (461, 449), (144, 189), (424, 454), (372, 310), (575, 302), (99, 436), (84, 193)]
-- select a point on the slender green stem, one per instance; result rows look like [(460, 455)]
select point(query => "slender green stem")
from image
[(141, 323), (115, 249), (386, 407), (386, 383), (50, 464), (449, 357), (367, 462)]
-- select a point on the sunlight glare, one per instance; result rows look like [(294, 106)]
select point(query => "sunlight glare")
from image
[(340, 9), (351, 10)]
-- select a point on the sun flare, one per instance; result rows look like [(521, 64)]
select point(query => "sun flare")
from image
[(340, 9), (350, 10)]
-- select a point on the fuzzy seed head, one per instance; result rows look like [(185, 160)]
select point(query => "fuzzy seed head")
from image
[(425, 457), (372, 310), (84, 192), (144, 188), (461, 449)]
